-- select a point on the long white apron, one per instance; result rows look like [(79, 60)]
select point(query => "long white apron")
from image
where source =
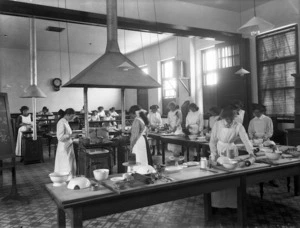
[(140, 148), (26, 120), (65, 158), (172, 117), (225, 198)]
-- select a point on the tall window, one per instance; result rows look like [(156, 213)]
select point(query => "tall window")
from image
[(169, 81), (218, 58), (277, 60)]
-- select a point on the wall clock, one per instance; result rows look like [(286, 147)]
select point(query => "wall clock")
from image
[(56, 82)]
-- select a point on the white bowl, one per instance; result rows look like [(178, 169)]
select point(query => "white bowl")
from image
[(79, 183), (230, 165), (272, 155), (193, 137), (101, 174), (59, 178), (258, 141)]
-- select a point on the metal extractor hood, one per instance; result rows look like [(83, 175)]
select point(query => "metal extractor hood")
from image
[(113, 69)]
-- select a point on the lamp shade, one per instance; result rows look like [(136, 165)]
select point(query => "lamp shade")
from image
[(255, 26), (242, 72), (33, 91)]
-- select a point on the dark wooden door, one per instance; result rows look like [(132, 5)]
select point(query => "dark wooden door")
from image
[(142, 98)]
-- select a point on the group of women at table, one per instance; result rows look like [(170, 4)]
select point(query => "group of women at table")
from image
[(224, 129)]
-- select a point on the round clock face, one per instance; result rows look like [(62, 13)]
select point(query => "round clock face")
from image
[(57, 82)]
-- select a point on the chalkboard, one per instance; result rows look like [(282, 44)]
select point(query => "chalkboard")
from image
[(7, 143)]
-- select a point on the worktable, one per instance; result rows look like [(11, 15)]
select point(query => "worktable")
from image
[(84, 204)]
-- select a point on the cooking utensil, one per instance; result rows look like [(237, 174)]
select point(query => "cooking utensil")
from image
[(209, 170)]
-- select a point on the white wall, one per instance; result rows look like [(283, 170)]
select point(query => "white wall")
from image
[(178, 48), (14, 71), (171, 48)]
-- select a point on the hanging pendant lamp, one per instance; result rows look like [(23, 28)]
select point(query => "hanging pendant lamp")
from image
[(241, 71), (255, 25)]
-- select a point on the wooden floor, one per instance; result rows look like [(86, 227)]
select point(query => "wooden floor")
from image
[(278, 208)]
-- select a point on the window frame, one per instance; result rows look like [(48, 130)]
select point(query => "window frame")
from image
[(259, 64), (163, 79)]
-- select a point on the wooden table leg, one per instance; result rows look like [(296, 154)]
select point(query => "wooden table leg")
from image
[(163, 152), (241, 203), (61, 218), (49, 146), (207, 206), (76, 218), (157, 146), (187, 153), (296, 185), (261, 189), (199, 152), (288, 184)]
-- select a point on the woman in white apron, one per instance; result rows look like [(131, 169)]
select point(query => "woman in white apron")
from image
[(24, 123), (223, 135), (138, 140), (174, 122), (194, 124), (155, 122), (65, 158)]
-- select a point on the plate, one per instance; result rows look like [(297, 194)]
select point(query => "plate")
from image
[(191, 163), (173, 169), (116, 179)]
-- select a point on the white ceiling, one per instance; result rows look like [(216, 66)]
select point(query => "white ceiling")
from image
[(231, 5), (82, 38), (14, 31)]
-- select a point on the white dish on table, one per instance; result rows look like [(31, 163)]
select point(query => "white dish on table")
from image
[(173, 169), (191, 163), (273, 155), (79, 183), (101, 174), (115, 179), (230, 165), (59, 178)]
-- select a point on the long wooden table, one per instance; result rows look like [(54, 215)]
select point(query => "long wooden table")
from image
[(85, 204), (179, 140)]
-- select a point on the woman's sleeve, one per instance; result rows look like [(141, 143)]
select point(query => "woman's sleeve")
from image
[(19, 122), (60, 132), (244, 137), (201, 122), (136, 130), (251, 130), (179, 120), (213, 141), (160, 120), (168, 121), (187, 122), (269, 132)]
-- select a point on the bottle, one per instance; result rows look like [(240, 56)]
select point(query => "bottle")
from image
[(203, 163)]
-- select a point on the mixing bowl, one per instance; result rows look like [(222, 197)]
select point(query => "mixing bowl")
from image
[(59, 178)]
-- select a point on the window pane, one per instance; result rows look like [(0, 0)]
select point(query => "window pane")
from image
[(275, 80), (211, 78), (277, 75), (277, 46), (168, 71)]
